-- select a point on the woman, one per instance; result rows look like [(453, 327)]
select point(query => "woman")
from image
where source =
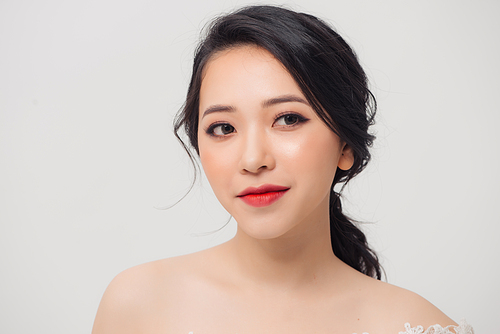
[(278, 110)]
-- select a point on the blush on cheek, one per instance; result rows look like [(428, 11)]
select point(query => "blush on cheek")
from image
[(319, 154), (217, 169), (210, 166), (312, 149), (290, 148)]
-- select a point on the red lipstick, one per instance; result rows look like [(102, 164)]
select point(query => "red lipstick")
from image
[(262, 196)]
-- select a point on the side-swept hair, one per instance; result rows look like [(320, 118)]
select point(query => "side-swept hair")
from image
[(330, 77)]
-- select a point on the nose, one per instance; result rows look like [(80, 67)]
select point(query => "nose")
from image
[(256, 154)]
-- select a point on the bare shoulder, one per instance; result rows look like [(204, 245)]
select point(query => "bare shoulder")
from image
[(399, 306), (136, 295)]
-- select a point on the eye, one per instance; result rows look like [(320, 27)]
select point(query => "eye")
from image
[(289, 120), (220, 129)]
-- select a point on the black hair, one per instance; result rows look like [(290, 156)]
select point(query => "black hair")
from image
[(328, 73)]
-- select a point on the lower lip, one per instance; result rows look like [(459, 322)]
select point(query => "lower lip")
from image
[(265, 199)]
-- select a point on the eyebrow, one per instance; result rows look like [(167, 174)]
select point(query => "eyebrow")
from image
[(283, 99), (266, 104), (218, 108)]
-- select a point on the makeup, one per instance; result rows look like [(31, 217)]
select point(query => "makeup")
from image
[(262, 196)]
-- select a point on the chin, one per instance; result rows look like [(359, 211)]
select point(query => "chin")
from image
[(264, 229)]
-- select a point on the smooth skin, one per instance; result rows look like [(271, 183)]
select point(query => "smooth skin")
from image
[(278, 274)]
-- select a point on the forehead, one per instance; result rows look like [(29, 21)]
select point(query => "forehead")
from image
[(244, 74), (240, 53)]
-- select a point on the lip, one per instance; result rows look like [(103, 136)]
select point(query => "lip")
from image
[(264, 195)]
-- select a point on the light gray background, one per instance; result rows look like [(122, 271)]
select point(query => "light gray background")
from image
[(88, 90)]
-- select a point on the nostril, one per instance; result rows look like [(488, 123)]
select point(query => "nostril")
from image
[(256, 155), (254, 170)]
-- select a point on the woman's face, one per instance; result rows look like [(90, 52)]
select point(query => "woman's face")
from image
[(268, 157)]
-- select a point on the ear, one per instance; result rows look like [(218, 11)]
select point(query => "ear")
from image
[(346, 160)]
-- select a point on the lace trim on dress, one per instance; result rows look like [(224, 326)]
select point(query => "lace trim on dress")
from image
[(462, 328)]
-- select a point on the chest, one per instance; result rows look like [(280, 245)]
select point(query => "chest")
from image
[(205, 314)]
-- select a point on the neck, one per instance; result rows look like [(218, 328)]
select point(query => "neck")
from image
[(300, 257)]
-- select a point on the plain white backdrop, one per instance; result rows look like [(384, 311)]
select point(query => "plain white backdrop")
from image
[(88, 91)]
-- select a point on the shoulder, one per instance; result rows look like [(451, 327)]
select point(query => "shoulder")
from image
[(398, 306), (137, 282), (120, 310), (136, 295)]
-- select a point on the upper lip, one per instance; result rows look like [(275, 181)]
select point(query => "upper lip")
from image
[(265, 188)]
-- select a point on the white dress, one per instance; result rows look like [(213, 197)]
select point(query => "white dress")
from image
[(462, 328)]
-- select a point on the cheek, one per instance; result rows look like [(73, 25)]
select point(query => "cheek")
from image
[(216, 164), (210, 162), (313, 156)]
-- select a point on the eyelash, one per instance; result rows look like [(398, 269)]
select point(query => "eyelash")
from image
[(300, 119)]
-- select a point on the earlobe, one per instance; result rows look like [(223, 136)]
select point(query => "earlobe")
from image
[(346, 160)]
